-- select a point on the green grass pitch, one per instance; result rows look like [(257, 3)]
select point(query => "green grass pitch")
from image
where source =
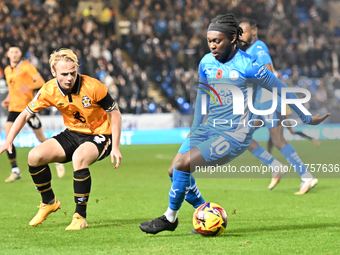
[(259, 221)]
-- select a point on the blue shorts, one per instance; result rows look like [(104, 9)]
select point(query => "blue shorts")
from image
[(215, 145)]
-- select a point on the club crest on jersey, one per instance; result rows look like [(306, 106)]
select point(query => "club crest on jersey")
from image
[(233, 75), (86, 101)]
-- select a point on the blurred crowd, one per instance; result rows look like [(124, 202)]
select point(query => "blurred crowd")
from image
[(166, 39), (40, 27)]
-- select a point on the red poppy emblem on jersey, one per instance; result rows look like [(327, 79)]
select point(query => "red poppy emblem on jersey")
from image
[(219, 74)]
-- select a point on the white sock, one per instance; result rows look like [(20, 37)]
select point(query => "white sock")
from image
[(276, 167), (306, 177), (171, 215), (16, 170)]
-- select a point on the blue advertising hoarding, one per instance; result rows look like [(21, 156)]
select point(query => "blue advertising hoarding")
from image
[(178, 135)]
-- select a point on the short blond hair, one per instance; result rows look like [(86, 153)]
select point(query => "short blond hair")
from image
[(63, 54)]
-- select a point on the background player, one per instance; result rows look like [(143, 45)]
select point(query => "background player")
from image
[(22, 79), (209, 144), (83, 101), (250, 43), (293, 132)]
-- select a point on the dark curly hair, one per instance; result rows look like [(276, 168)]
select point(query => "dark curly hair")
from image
[(230, 21), (251, 22)]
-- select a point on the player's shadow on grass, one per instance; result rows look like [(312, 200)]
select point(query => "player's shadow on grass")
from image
[(243, 231), (179, 233), (117, 223)]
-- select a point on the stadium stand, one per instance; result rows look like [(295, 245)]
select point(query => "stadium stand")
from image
[(164, 41), (167, 38)]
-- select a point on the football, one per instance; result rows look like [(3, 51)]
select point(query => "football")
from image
[(210, 219)]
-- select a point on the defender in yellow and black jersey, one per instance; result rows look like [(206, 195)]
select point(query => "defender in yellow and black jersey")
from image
[(83, 108), (85, 105), (22, 79)]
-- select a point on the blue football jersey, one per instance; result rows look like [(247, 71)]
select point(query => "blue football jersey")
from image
[(222, 86), (260, 52)]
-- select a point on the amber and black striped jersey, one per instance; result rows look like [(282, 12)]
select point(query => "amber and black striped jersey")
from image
[(83, 110), (23, 74)]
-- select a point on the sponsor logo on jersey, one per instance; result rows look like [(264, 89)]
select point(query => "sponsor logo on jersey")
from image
[(261, 72), (213, 90), (79, 117)]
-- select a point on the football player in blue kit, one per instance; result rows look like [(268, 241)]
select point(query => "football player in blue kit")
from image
[(250, 43), (209, 143)]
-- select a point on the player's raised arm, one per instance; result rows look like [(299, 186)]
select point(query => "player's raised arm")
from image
[(38, 82), (18, 124), (266, 79), (317, 119)]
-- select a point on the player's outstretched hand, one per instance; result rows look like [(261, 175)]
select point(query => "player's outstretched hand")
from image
[(6, 147), (317, 119), (115, 154)]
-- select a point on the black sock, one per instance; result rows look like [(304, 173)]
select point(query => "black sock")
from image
[(12, 157), (41, 176), (82, 188)]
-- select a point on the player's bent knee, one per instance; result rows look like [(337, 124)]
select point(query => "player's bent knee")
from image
[(34, 158), (79, 161), (183, 164)]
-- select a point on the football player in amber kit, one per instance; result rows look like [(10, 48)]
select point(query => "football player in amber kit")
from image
[(85, 105), (22, 79)]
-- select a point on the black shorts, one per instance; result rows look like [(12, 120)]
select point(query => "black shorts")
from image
[(34, 122), (71, 140)]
